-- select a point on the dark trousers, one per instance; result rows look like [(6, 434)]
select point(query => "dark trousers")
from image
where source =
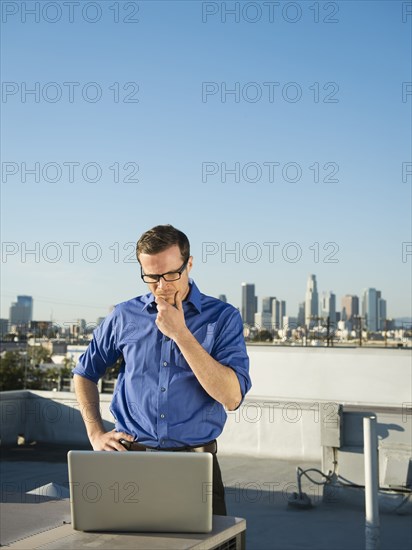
[(219, 505)]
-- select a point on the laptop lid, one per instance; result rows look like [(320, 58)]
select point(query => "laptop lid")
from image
[(141, 491)]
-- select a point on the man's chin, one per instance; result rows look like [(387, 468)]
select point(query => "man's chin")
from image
[(169, 298)]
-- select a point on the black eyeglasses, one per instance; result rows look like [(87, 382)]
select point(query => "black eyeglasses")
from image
[(168, 277)]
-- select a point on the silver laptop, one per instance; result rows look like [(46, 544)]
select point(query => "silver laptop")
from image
[(141, 491)]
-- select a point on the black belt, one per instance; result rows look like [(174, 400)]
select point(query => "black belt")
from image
[(206, 448)]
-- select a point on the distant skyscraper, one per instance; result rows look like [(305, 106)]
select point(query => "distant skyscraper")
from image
[(267, 304), (381, 313), (263, 319), (311, 301), (21, 312), (328, 307), (350, 307), (301, 315), (289, 324), (249, 303), (278, 312), (373, 309), (223, 298), (370, 309)]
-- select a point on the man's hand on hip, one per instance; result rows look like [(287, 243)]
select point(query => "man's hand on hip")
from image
[(109, 441)]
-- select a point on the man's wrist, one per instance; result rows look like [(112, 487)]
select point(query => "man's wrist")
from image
[(96, 432), (183, 337)]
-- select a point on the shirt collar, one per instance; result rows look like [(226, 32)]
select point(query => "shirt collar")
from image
[(193, 298)]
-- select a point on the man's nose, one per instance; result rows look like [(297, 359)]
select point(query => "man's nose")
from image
[(162, 283)]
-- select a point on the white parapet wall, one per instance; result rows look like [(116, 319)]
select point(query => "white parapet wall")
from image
[(46, 416), (344, 375), (293, 386), (284, 429)]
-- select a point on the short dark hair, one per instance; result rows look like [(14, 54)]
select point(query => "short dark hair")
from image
[(161, 238)]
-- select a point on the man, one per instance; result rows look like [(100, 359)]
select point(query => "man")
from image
[(184, 361)]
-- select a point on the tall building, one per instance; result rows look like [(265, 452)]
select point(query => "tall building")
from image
[(21, 312), (311, 301), (263, 320), (267, 304), (381, 313), (288, 325), (301, 314), (249, 303), (350, 309), (374, 309), (278, 312), (328, 307)]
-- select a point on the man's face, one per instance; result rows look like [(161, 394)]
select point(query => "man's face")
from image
[(167, 261)]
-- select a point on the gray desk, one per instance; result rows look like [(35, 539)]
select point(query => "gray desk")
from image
[(224, 529)]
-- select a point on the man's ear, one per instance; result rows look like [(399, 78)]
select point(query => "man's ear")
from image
[(189, 263)]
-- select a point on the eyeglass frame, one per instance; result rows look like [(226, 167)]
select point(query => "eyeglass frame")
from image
[(159, 276)]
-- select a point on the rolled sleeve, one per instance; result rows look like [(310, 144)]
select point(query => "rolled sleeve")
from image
[(102, 351), (230, 350)]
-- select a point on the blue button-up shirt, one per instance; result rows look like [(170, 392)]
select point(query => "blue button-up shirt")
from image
[(157, 397)]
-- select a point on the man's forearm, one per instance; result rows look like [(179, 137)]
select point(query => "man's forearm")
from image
[(88, 398), (218, 380)]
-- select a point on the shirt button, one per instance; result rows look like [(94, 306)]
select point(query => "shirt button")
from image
[(162, 415), (162, 442), (165, 363), (162, 389)]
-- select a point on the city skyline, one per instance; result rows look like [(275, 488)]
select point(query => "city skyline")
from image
[(269, 309)]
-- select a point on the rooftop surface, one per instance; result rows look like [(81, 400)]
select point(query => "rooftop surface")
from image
[(256, 489), (291, 418)]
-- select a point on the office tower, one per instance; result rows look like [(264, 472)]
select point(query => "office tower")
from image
[(267, 304), (328, 307), (311, 301), (262, 322), (249, 303), (282, 311), (373, 309), (350, 308), (381, 313), (278, 312), (222, 298), (301, 314), (263, 319), (288, 325), (21, 312)]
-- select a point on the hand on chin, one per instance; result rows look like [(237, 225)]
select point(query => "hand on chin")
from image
[(169, 298)]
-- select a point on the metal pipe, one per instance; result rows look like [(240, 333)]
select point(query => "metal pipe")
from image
[(372, 525)]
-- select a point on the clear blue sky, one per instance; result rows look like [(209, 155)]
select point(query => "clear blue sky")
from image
[(350, 116)]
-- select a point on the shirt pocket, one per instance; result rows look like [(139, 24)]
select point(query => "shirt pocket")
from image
[(180, 361), (206, 338)]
